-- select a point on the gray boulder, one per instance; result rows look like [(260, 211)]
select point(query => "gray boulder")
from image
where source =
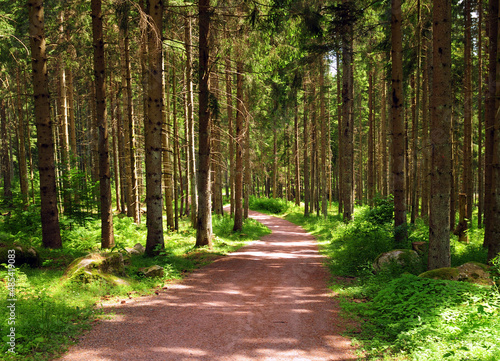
[(403, 257), (106, 267)]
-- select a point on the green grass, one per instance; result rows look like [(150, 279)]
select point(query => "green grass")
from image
[(401, 316), (51, 313)]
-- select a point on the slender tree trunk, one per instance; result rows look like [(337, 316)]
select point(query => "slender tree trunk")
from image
[(248, 169), (296, 156), (107, 235), (340, 127), (425, 137), (129, 128), (324, 140), (51, 236), (439, 217), (229, 94), (383, 131), (398, 125), (204, 219), (23, 168), (490, 121), (371, 145), (416, 125), (166, 155), (238, 177), (492, 213), (177, 168), (347, 120), (153, 130), (467, 187), (190, 124), (307, 191), (480, 173), (116, 161), (4, 156)]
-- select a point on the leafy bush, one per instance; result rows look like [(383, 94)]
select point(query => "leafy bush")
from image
[(432, 320), (270, 205)]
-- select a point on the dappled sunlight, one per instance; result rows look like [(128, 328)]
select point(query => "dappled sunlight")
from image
[(267, 301)]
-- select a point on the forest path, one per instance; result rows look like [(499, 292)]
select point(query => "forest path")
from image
[(267, 301)]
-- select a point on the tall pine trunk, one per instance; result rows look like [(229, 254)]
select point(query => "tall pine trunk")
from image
[(347, 119), (153, 128), (107, 235), (441, 173), (204, 216), (190, 124), (51, 235), (398, 125), (238, 176)]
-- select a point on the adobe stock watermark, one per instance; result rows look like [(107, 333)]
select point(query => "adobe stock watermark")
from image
[(11, 301)]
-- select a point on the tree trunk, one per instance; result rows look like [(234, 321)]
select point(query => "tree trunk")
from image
[(480, 173), (347, 119), (383, 142), (424, 211), (248, 170), (4, 156), (190, 124), (467, 187), (371, 143), (296, 155), (166, 156), (439, 221), (51, 236), (398, 125), (204, 217), (492, 222), (107, 235), (153, 128), (238, 176), (229, 93), (324, 140), (307, 191), (23, 168)]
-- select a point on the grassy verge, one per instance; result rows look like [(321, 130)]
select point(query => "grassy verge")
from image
[(402, 316), (50, 314)]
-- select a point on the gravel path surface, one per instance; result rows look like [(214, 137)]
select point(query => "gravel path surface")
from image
[(267, 301)]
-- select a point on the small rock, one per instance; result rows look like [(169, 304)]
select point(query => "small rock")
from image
[(153, 271)]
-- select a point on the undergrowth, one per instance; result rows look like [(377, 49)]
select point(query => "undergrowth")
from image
[(51, 313), (399, 315)]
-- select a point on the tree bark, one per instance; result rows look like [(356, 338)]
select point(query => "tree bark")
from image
[(107, 235), (229, 93), (166, 155), (307, 191), (153, 128), (398, 125), (439, 215), (190, 125), (204, 217), (492, 231), (480, 120), (51, 236), (347, 119), (238, 176), (23, 168)]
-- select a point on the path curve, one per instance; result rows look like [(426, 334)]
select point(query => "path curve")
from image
[(267, 301)]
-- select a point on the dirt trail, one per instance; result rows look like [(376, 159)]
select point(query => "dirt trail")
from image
[(267, 301)]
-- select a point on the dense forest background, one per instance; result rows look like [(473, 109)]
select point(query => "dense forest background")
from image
[(167, 110)]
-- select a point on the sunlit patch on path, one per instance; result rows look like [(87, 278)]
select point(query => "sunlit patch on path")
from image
[(267, 301)]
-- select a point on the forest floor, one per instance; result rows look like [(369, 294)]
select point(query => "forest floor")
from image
[(267, 301)]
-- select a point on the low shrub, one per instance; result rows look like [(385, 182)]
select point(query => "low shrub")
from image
[(429, 319), (270, 205)]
